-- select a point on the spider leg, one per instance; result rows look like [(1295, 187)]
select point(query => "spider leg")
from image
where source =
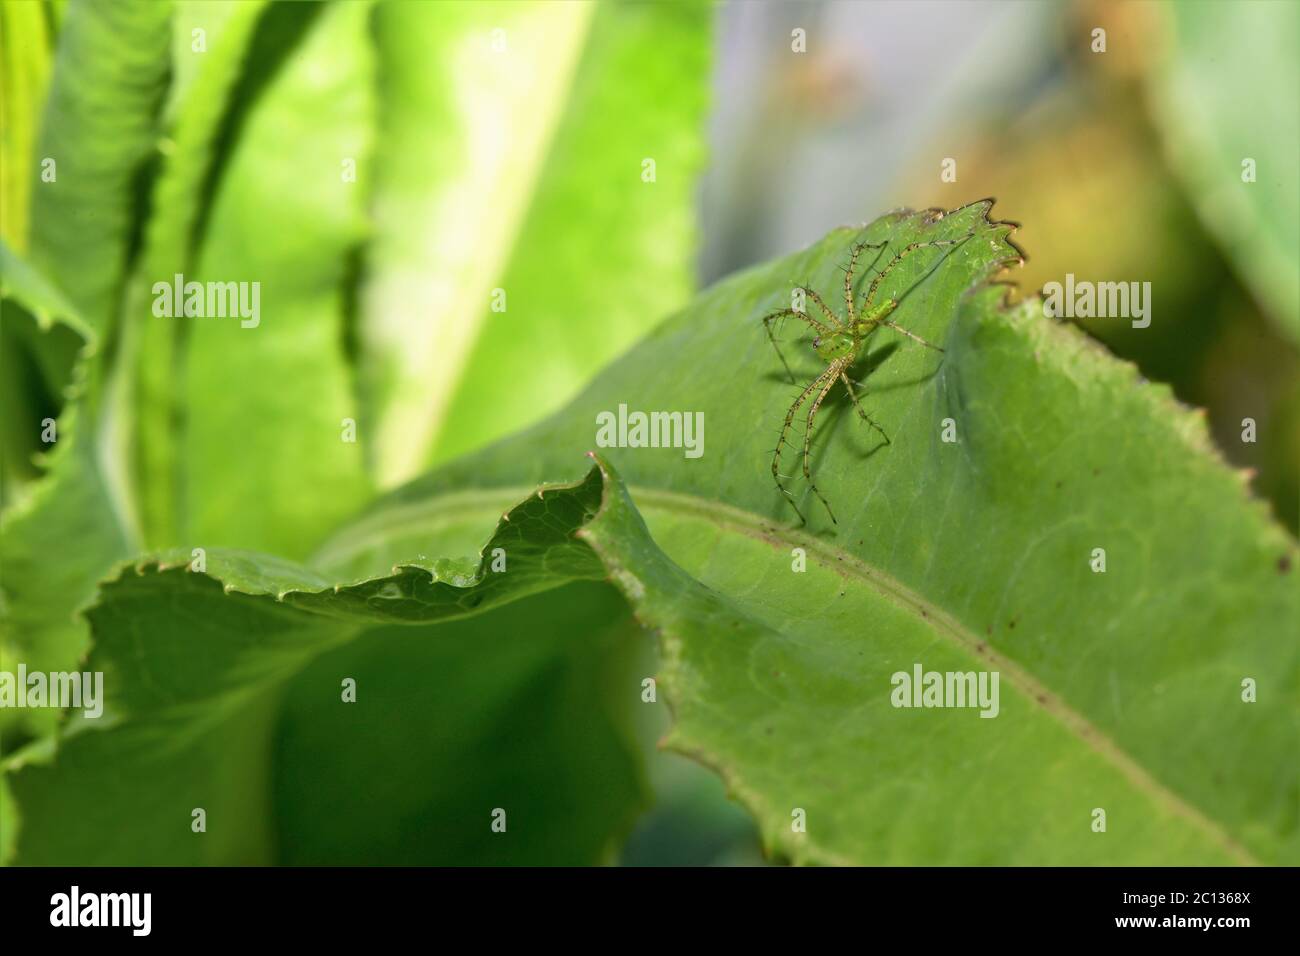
[(899, 257), (785, 430), (821, 327), (848, 273), (848, 386), (812, 294), (781, 314), (834, 371), (911, 335)]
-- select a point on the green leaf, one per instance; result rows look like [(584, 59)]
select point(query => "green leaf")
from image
[(62, 533), (100, 128), (37, 296), (603, 254), (526, 708), (153, 348), (1215, 115), (41, 338), (266, 459), (25, 54), (198, 718), (1119, 691), (490, 181)]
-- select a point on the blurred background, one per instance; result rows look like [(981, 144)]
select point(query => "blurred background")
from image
[(451, 214)]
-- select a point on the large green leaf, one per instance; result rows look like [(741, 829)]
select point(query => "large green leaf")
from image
[(268, 460), (100, 127), (1223, 93), (210, 45), (542, 732), (1125, 687), (439, 735), (63, 532), (25, 55), (1120, 690), (501, 169), (604, 254)]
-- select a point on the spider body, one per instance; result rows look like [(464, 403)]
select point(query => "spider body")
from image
[(837, 345), (840, 341)]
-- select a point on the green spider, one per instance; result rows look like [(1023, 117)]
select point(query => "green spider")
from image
[(840, 343)]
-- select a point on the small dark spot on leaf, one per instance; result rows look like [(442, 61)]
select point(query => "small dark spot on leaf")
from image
[(1096, 472), (1058, 484), (1283, 564), (1042, 698), (988, 630), (1012, 623)]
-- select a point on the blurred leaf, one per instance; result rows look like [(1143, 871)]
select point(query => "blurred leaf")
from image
[(64, 532), (25, 54), (41, 340), (9, 820), (470, 95), (1223, 94), (264, 451), (524, 708), (603, 255), (501, 169), (100, 128), (1119, 690), (151, 354)]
